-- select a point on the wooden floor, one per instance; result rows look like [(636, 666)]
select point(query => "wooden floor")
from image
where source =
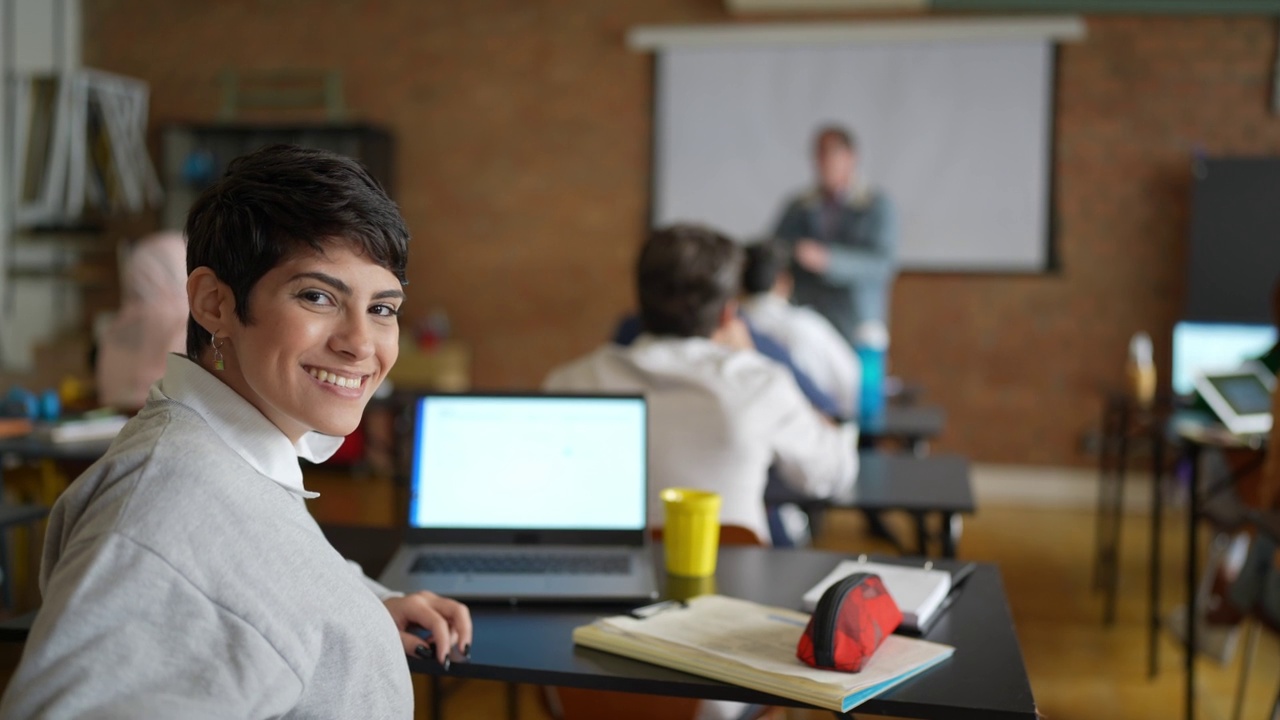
[(1078, 668)]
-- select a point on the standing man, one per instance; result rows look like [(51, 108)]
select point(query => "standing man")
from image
[(844, 238)]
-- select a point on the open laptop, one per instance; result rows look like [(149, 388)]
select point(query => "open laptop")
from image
[(1240, 398), (528, 498), (1210, 346)]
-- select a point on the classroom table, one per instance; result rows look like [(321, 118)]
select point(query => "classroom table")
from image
[(911, 424), (1192, 431), (986, 678), (921, 486), (28, 449)]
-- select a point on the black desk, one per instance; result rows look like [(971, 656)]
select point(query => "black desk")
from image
[(912, 425), (985, 679), (934, 484), (1192, 431)]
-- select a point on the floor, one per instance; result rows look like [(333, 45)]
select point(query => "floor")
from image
[(1078, 668)]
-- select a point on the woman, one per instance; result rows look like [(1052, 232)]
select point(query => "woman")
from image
[(182, 574)]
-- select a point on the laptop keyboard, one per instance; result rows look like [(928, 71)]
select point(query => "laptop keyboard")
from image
[(525, 564)]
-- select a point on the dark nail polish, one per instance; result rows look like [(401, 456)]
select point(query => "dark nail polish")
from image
[(422, 652), (447, 663), (467, 650)]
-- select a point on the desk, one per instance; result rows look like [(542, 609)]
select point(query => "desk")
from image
[(935, 484), (1192, 431), (985, 679), (31, 449), (912, 425), (530, 644)]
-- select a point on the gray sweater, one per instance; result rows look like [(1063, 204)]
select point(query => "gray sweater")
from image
[(179, 582)]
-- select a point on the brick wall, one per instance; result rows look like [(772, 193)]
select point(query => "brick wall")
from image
[(524, 128)]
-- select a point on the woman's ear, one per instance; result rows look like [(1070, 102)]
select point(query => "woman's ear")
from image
[(212, 304)]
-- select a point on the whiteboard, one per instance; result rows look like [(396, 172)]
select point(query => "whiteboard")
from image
[(956, 132)]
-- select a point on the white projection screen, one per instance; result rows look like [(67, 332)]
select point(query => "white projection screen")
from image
[(957, 132)]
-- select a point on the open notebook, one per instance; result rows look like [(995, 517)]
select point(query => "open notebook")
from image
[(752, 645), (917, 591)]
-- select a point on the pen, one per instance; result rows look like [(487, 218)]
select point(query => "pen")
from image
[(648, 611), (957, 579)]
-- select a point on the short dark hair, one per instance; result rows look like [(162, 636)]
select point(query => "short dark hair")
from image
[(765, 261), (837, 134), (685, 276), (281, 200)]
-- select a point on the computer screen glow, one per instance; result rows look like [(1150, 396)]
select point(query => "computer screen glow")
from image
[(1213, 347), (529, 463)]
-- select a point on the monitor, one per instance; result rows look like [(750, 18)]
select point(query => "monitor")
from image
[(1210, 347), (537, 462)]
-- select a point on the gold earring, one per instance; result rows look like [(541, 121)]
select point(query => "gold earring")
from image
[(218, 363)]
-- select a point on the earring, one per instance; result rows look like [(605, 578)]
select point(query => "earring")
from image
[(218, 363)]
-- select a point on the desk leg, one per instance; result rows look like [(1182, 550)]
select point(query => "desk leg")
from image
[(1112, 581), (949, 535), (922, 533), (513, 701), (1193, 517), (1157, 539), (1102, 518)]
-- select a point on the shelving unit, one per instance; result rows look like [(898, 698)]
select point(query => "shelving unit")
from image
[(193, 156)]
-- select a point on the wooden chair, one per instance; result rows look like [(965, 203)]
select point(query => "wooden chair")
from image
[(578, 704)]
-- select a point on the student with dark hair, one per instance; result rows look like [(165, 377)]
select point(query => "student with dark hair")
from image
[(721, 412), (815, 346), (182, 574), (843, 236)]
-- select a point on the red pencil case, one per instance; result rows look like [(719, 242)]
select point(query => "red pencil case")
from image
[(851, 620)]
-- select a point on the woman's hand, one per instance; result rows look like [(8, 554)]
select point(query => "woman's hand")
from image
[(813, 256), (448, 620)]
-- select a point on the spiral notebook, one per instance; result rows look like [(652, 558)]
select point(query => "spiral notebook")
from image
[(752, 645)]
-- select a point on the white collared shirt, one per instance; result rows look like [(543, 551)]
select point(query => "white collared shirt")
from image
[(242, 426), (718, 418), (816, 347)]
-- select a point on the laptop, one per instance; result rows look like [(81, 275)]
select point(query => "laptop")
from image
[(1210, 346), (1240, 398), (528, 498)]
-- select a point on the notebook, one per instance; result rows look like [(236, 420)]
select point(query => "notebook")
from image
[(528, 497), (917, 591), (752, 645)]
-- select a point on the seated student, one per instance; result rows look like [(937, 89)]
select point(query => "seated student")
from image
[(182, 574), (720, 412), (629, 329), (815, 345)]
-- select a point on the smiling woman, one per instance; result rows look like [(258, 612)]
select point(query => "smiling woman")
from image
[(182, 574)]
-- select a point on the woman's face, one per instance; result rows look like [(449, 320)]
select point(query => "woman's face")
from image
[(323, 333)]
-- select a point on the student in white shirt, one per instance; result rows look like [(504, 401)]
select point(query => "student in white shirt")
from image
[(816, 347), (720, 412), (183, 576)]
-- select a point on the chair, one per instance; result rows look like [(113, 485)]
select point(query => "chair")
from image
[(578, 704)]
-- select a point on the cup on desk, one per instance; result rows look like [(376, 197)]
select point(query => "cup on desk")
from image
[(692, 533)]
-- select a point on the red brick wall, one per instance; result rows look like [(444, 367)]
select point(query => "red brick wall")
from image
[(524, 128)]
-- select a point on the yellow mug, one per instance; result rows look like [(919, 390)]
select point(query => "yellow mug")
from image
[(692, 532)]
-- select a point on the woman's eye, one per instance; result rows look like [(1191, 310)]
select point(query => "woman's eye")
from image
[(315, 297), (385, 311)]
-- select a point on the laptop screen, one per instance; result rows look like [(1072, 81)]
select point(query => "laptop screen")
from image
[(1211, 347), (529, 462)]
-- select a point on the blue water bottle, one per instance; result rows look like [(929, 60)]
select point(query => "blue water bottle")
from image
[(871, 343)]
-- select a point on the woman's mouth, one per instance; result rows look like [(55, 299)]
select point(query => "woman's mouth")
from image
[(350, 382)]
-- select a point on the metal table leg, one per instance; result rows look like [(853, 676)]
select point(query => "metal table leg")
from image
[(1193, 516), (1157, 540)]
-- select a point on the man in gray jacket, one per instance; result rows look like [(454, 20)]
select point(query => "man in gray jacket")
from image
[(844, 238)]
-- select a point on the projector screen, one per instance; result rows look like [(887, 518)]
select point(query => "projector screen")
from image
[(957, 133)]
